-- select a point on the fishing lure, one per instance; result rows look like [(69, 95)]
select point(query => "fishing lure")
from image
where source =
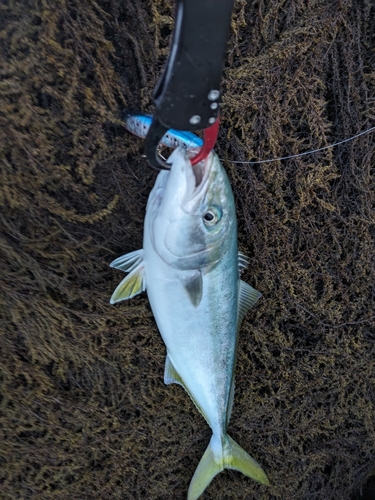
[(139, 124)]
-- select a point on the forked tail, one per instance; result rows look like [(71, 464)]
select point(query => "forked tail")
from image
[(220, 455)]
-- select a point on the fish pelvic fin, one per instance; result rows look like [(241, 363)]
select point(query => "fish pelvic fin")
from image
[(129, 261), (135, 282), (132, 285), (220, 455)]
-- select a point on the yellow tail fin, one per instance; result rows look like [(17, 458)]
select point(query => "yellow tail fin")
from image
[(219, 456)]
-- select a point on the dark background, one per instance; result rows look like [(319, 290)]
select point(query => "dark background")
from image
[(84, 411)]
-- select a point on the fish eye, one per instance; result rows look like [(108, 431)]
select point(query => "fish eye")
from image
[(212, 216)]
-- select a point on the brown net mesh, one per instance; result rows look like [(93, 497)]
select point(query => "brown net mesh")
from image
[(84, 412)]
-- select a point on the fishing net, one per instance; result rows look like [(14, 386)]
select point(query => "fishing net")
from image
[(84, 411)]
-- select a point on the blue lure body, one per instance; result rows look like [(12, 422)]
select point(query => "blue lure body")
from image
[(139, 125)]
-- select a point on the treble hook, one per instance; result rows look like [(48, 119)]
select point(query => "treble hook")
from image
[(157, 131)]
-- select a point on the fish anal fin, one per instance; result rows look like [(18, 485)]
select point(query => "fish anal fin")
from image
[(129, 261), (247, 297), (193, 285), (132, 285), (171, 376)]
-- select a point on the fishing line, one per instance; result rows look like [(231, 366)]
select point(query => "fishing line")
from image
[(306, 152)]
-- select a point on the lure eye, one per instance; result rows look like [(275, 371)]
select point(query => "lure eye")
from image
[(212, 216)]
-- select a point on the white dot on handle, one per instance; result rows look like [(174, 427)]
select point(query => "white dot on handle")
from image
[(195, 119)]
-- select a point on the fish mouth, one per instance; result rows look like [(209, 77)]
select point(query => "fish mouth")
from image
[(184, 186), (201, 171)]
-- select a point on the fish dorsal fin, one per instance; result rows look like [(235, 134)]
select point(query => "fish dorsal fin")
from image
[(194, 287), (129, 261), (171, 376), (230, 401), (132, 285), (247, 297), (243, 261)]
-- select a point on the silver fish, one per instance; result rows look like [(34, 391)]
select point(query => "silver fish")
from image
[(190, 267)]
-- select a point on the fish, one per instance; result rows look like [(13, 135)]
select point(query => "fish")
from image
[(190, 268), (139, 124)]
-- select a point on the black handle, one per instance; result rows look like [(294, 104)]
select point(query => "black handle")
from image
[(188, 92)]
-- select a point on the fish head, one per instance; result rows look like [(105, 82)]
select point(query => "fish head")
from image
[(193, 216)]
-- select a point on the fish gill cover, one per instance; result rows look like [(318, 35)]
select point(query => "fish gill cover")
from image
[(84, 411)]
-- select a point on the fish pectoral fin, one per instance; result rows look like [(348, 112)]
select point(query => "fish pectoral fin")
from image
[(194, 287), (219, 456), (129, 261), (132, 285), (248, 296)]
